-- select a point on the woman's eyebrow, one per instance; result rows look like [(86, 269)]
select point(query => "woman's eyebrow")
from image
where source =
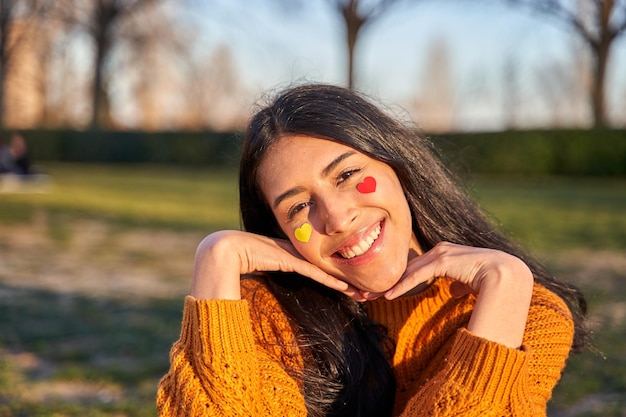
[(325, 172), (287, 194), (336, 161)]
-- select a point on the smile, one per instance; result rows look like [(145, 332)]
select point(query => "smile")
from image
[(362, 246)]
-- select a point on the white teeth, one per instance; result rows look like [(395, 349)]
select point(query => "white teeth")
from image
[(361, 247)]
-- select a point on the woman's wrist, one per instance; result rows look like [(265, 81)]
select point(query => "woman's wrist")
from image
[(216, 272), (502, 305)]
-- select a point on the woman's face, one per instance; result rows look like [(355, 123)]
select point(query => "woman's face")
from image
[(343, 211)]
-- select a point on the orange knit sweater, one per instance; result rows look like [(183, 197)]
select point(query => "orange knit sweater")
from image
[(227, 361)]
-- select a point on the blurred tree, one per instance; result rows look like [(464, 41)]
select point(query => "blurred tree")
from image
[(436, 103), (57, 83), (510, 89), (103, 21), (214, 96), (8, 14), (599, 23), (39, 65), (158, 45), (16, 25), (356, 15), (554, 80)]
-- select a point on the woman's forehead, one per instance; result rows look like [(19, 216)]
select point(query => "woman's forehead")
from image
[(294, 159), (289, 149)]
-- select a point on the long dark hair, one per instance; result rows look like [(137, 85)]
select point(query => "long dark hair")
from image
[(344, 344)]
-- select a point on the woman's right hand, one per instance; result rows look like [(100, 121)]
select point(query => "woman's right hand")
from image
[(222, 257)]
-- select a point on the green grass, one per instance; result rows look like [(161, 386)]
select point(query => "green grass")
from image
[(148, 196), (108, 344), (119, 344), (558, 213)]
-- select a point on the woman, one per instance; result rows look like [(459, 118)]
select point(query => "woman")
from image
[(366, 283)]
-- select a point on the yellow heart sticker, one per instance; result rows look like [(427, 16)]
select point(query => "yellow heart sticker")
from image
[(303, 233)]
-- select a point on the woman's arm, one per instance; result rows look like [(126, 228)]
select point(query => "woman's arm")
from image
[(478, 377), (219, 369), (508, 359), (502, 282), (502, 304)]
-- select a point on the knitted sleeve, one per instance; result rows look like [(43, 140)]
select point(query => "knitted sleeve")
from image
[(217, 367), (477, 377)]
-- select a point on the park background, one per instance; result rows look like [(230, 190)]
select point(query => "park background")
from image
[(134, 110)]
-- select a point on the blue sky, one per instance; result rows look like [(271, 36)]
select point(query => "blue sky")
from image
[(274, 48)]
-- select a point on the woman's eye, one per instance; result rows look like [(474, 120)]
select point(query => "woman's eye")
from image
[(296, 209), (346, 175)]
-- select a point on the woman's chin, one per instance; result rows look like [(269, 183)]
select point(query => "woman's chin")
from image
[(370, 296), (376, 291)]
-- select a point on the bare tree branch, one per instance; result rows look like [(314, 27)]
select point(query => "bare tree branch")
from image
[(599, 29), (356, 14)]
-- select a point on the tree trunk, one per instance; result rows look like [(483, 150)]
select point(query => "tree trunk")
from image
[(601, 49), (105, 15), (2, 89), (601, 59), (353, 23), (352, 38), (99, 109), (4, 56)]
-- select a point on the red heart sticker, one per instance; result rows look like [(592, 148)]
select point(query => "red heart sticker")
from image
[(367, 186)]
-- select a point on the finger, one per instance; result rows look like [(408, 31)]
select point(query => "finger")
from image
[(287, 246), (413, 279), (355, 294), (372, 295), (309, 270), (318, 275)]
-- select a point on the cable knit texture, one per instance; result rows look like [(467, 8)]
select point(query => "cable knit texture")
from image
[(240, 358)]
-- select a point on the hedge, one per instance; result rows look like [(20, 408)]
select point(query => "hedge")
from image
[(555, 152), (547, 152), (193, 148)]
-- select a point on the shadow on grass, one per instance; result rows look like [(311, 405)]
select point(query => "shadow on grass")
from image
[(64, 354), (49, 339)]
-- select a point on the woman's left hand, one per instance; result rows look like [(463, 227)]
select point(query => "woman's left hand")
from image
[(502, 282)]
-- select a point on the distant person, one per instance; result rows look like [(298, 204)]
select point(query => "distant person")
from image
[(16, 169), (14, 158), (366, 283)]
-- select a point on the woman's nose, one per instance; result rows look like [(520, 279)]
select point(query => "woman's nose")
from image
[(337, 215)]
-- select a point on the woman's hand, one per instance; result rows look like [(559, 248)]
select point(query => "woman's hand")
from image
[(222, 257), (502, 282)]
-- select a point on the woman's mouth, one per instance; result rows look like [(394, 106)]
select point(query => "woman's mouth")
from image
[(362, 246)]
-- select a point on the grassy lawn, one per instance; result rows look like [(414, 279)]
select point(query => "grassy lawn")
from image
[(133, 196), (93, 272), (558, 213)]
